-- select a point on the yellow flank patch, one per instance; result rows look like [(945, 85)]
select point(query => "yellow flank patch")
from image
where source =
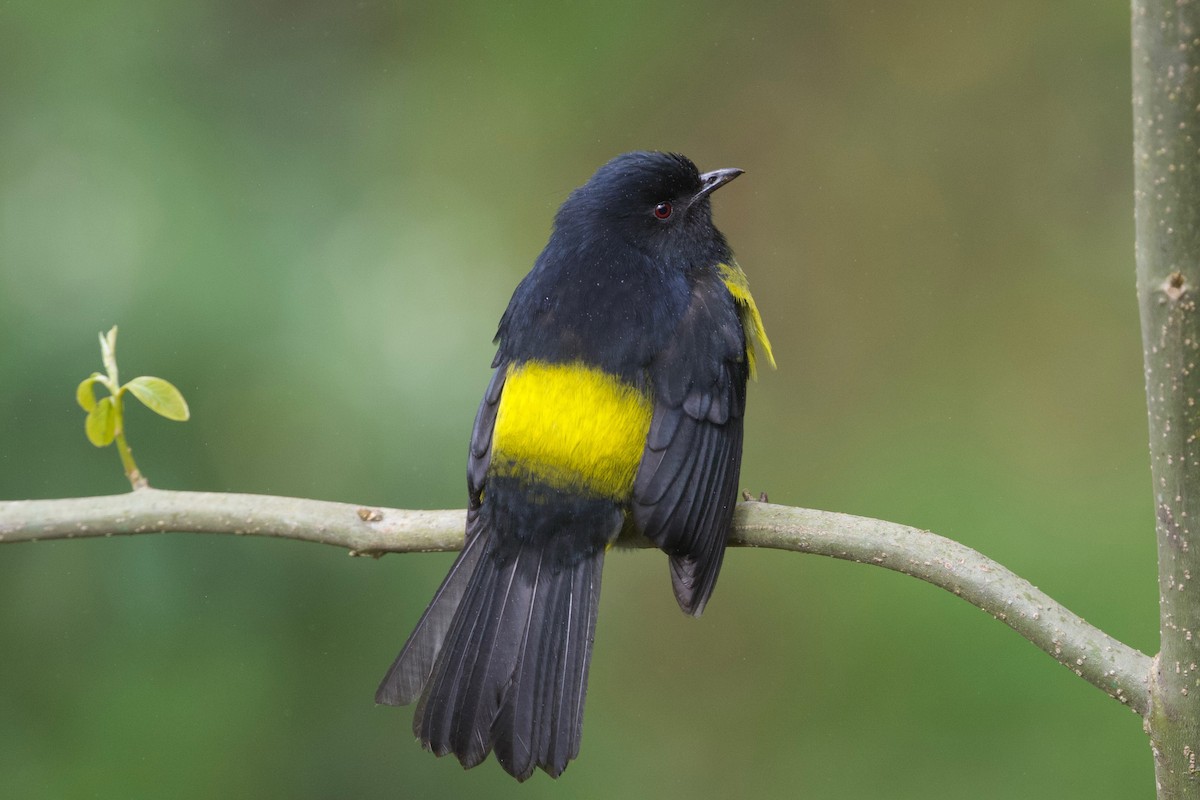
[(735, 281), (571, 426)]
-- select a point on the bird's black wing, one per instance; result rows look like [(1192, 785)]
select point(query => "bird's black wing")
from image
[(411, 670), (479, 457), (686, 486)]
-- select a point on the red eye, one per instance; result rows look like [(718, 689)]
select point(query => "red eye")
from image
[(662, 210)]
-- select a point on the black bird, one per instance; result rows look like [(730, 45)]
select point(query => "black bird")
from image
[(618, 396)]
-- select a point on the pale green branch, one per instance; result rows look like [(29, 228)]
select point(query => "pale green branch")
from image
[(1166, 129), (1120, 670)]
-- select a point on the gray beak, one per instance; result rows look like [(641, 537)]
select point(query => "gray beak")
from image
[(711, 181)]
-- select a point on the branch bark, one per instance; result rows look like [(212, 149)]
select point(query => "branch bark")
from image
[(1121, 671), (1166, 126)]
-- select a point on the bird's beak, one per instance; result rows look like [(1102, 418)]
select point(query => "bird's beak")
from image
[(711, 181)]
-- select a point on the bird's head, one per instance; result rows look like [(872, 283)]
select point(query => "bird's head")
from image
[(657, 202)]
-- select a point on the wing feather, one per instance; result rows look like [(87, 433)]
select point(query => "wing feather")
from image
[(686, 485)]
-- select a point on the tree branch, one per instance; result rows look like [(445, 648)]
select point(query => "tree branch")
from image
[(1120, 670)]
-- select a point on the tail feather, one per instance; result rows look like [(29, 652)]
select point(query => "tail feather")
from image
[(487, 658), (409, 673), (572, 688), (436, 716), (500, 658), (513, 670), (515, 727), (542, 716), (511, 673)]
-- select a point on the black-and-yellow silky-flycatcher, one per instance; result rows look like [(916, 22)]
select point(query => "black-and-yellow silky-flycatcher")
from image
[(618, 394)]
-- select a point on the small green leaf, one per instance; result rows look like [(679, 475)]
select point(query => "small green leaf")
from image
[(84, 394), (101, 423), (160, 397)]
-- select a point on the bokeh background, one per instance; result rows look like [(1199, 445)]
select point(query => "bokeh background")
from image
[(309, 216)]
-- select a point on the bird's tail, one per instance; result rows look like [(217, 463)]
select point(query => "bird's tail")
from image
[(500, 657), (406, 678)]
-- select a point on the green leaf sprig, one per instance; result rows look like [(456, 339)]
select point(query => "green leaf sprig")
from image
[(105, 421)]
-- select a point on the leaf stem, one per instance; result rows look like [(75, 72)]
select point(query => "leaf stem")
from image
[(136, 479)]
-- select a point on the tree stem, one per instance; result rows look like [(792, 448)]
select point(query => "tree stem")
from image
[(1166, 125)]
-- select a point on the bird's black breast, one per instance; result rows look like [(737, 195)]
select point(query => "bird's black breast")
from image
[(604, 303)]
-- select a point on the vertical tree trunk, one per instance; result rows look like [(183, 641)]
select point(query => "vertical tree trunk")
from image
[(1166, 124)]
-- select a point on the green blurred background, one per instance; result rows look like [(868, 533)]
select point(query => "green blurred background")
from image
[(310, 216)]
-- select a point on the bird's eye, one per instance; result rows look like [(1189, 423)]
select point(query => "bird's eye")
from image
[(662, 210)]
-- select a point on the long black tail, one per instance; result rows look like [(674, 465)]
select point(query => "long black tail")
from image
[(500, 657)]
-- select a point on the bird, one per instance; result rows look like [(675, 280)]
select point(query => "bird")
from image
[(616, 402)]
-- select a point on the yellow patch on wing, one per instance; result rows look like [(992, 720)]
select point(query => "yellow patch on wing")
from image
[(571, 426), (756, 335)]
